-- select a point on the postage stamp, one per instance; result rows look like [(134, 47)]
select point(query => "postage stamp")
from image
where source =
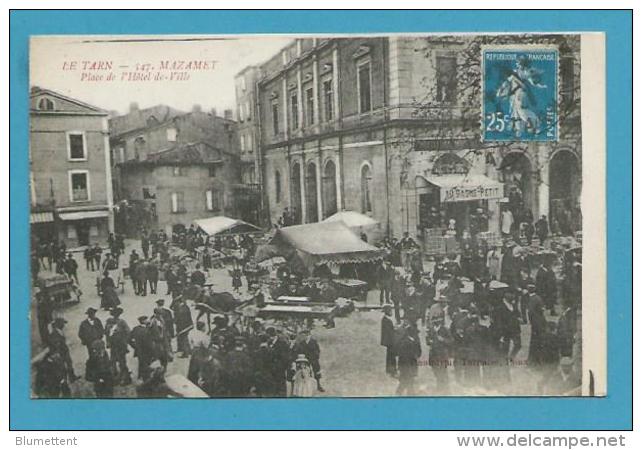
[(520, 94)]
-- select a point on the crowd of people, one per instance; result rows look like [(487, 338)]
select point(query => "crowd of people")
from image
[(467, 314), (473, 307)]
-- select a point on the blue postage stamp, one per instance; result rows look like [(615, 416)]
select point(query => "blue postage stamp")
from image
[(519, 88)]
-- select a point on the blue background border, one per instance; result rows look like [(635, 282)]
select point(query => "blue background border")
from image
[(613, 412)]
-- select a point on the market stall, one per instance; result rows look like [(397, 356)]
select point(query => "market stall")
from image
[(329, 244)]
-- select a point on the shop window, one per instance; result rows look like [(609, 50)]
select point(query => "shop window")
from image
[(446, 79), (76, 146), (79, 186), (212, 171), (364, 87), (366, 182)]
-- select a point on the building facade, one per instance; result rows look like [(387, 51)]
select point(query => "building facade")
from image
[(71, 183), (386, 125), (173, 167), (249, 192)]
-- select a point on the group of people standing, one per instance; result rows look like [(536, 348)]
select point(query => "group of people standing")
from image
[(477, 332)]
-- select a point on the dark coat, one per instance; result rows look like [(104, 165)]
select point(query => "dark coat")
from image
[(505, 323), (546, 283), (408, 351), (141, 340), (151, 271), (168, 321), (117, 332), (183, 318), (89, 333), (440, 342), (387, 332), (198, 278)]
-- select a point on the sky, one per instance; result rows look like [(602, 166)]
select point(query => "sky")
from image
[(72, 66)]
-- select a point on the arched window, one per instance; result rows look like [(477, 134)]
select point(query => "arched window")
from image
[(311, 193), (46, 104), (277, 186), (366, 181)]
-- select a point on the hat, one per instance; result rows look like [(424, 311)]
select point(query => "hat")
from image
[(116, 311), (142, 319), (387, 307), (160, 301), (301, 358), (91, 310)]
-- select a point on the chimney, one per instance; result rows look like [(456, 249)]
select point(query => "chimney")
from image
[(133, 107), (197, 108), (228, 114)]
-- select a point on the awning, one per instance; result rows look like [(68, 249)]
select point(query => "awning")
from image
[(352, 219), (80, 215), (41, 217), (325, 243), (227, 225), (466, 187)]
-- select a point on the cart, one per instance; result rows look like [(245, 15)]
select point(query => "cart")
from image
[(59, 288)]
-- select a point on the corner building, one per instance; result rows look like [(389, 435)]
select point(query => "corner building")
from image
[(387, 126)]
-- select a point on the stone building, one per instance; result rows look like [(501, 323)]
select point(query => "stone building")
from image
[(71, 185), (173, 167), (248, 192), (388, 125)]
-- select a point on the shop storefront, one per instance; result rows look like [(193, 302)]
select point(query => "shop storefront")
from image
[(80, 228), (453, 205)]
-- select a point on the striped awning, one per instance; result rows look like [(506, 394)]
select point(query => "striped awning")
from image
[(41, 217), (79, 215)]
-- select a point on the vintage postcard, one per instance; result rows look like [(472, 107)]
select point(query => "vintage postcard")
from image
[(317, 215)]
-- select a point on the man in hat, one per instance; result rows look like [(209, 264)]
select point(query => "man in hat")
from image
[(141, 341), (538, 326), (70, 267), (57, 343), (117, 332), (546, 285), (279, 350), (309, 347), (97, 255), (506, 326), (198, 277), (200, 342), (99, 370), (151, 274), (408, 351), (541, 229), (91, 329), (168, 317), (184, 323), (239, 369), (388, 339), (385, 275), (439, 339)]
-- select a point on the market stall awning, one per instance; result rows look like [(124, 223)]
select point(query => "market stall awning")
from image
[(325, 243), (466, 187), (79, 215), (352, 219), (41, 217), (222, 224)]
